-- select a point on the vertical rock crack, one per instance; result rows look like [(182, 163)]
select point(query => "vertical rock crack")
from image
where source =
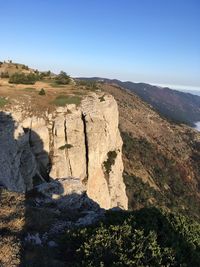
[(66, 149), (86, 144)]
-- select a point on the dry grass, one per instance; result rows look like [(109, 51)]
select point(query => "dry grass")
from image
[(11, 225), (63, 100), (33, 103)]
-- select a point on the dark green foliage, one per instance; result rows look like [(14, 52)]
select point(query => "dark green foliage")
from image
[(4, 75), (101, 98), (62, 78), (140, 193), (42, 92), (3, 101), (66, 146), (110, 161), (44, 74), (176, 192), (148, 237), (89, 85), (24, 67), (21, 78)]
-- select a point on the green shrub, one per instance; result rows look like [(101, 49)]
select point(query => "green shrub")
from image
[(4, 75), (62, 78), (63, 100), (42, 92), (148, 237), (3, 101), (66, 146), (101, 98), (111, 156), (21, 78), (90, 85), (24, 67), (44, 74)]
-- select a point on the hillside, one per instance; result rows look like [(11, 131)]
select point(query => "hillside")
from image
[(161, 159), (172, 104), (8, 68)]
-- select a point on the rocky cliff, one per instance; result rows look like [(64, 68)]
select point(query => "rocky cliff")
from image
[(82, 142)]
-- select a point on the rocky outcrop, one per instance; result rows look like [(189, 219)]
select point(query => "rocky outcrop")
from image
[(17, 162), (104, 181), (82, 142)]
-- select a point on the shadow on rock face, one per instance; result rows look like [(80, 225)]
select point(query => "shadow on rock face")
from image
[(20, 168), (51, 209), (31, 223)]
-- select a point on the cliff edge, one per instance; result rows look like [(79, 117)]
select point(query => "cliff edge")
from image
[(72, 141)]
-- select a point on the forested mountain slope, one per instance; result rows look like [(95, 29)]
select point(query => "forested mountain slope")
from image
[(172, 104), (161, 159)]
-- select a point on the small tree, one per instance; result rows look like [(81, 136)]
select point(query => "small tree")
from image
[(24, 67), (62, 78), (4, 75), (42, 92), (22, 78)]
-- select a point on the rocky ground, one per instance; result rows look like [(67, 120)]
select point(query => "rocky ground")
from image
[(31, 225)]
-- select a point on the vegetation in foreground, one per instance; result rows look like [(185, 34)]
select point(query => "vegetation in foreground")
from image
[(149, 237), (3, 101)]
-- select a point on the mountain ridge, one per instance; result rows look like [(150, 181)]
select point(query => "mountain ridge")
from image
[(181, 107)]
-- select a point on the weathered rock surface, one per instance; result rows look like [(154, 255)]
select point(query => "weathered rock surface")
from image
[(17, 162), (102, 134), (81, 142), (66, 193)]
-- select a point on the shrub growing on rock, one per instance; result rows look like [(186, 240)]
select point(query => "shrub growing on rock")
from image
[(110, 161)]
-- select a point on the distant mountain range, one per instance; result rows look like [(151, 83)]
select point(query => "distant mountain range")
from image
[(177, 106), (193, 92)]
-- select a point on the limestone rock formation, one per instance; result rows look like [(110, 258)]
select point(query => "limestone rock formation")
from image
[(105, 183), (82, 142), (17, 162)]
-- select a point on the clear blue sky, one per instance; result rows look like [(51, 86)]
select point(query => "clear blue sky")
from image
[(155, 41)]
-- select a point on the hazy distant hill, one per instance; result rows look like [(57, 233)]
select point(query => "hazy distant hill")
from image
[(173, 104)]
